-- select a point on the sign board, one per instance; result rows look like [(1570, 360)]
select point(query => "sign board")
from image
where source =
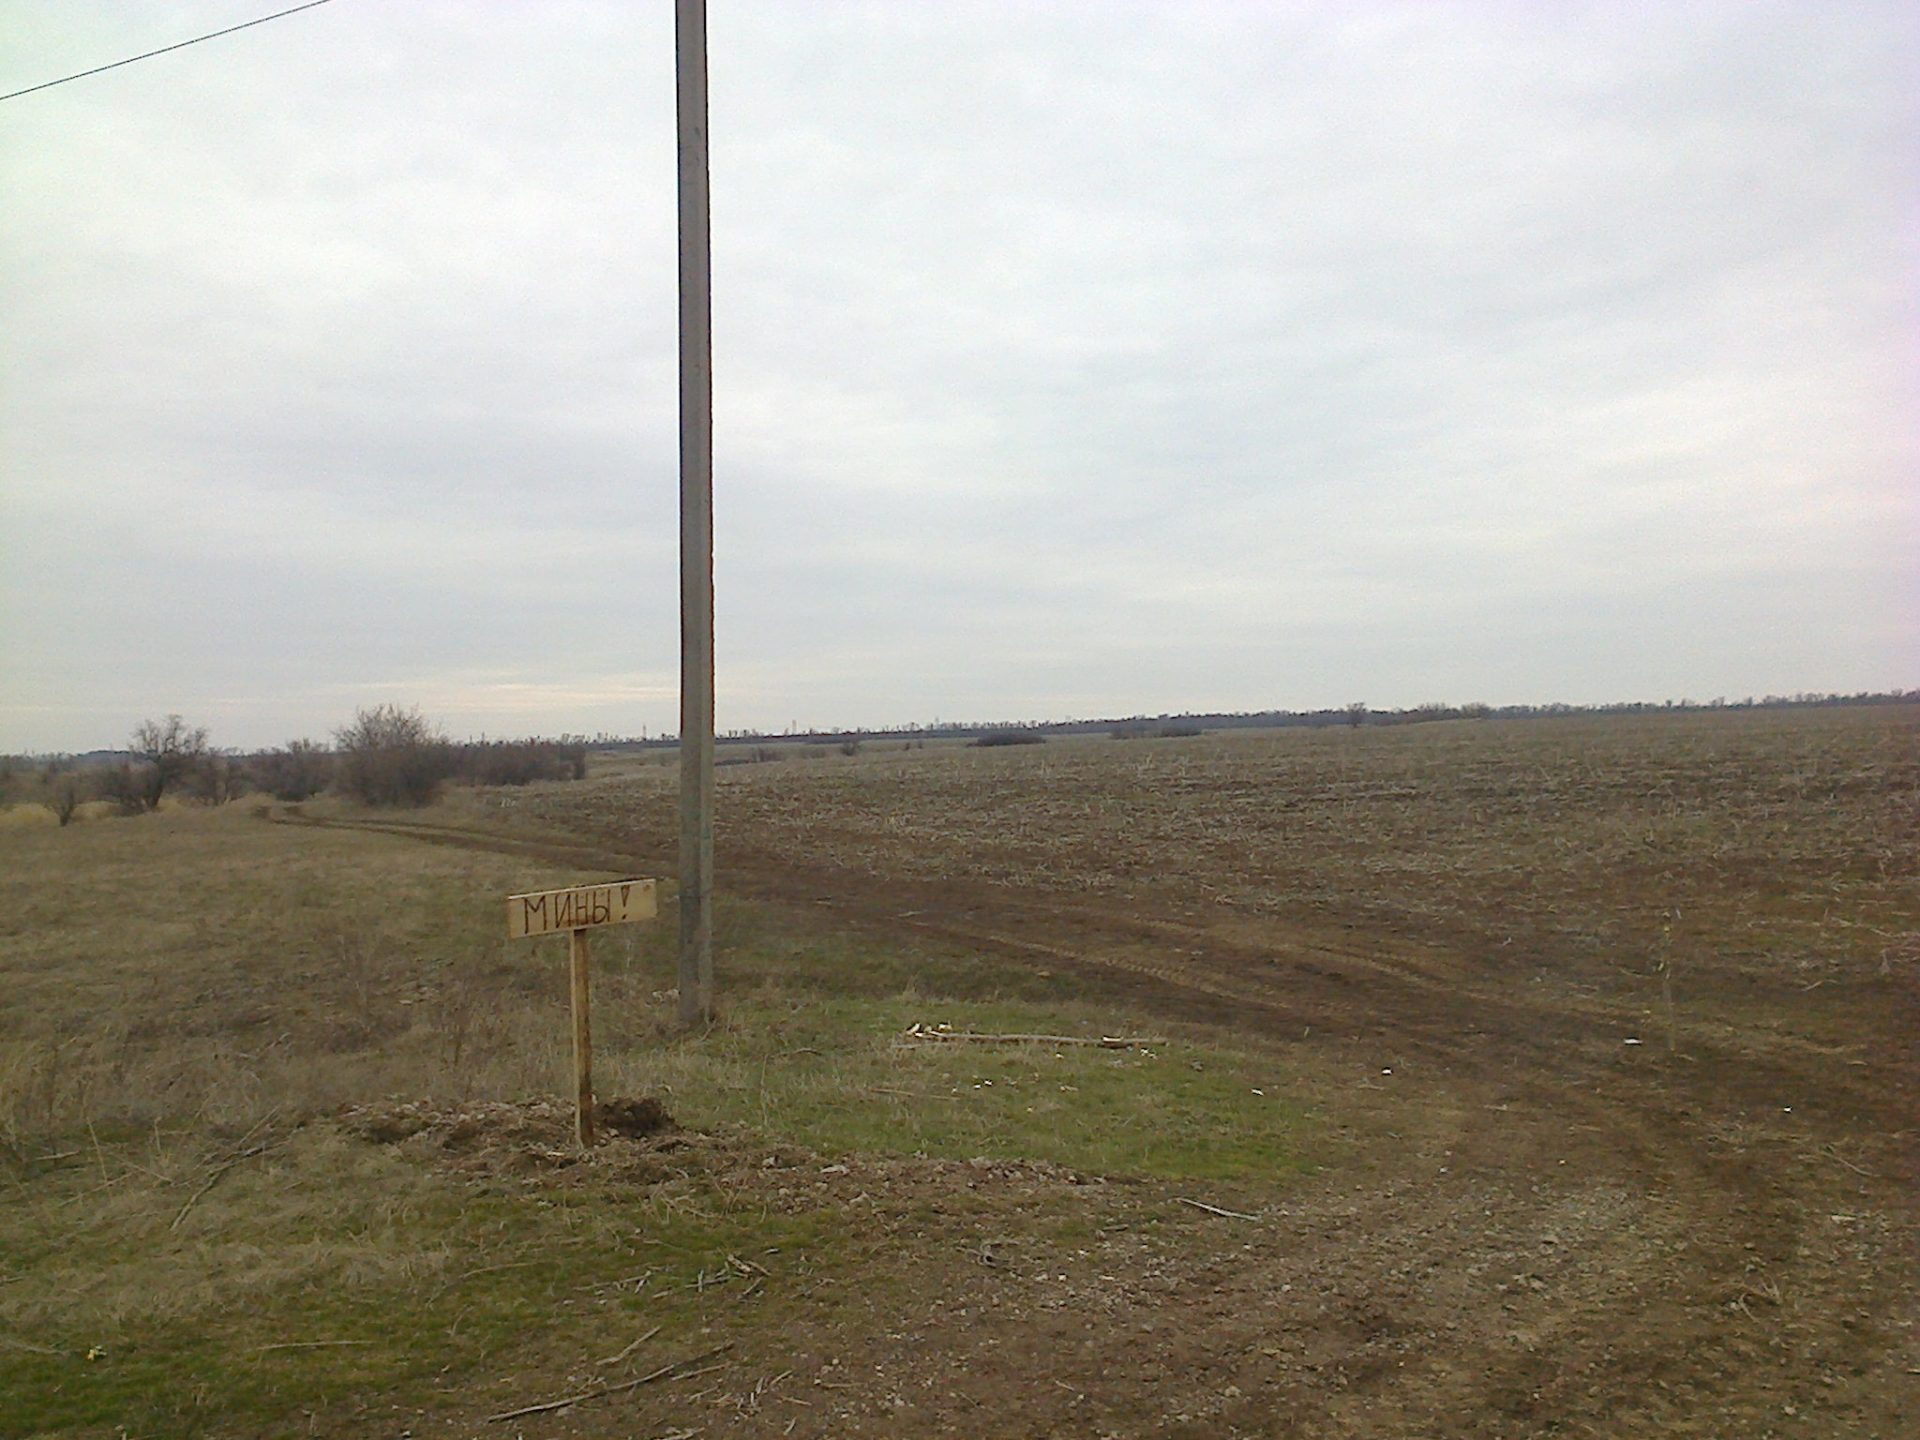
[(574, 912), (548, 912)]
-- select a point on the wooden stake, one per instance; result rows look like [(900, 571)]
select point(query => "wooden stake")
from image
[(582, 1039), (576, 910)]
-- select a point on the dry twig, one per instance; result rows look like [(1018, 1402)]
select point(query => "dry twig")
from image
[(491, 1269), (214, 1178), (246, 1152), (15, 1344), (908, 1094), (616, 1359), (1104, 1042), (1833, 1154), (675, 1370), (1215, 1209)]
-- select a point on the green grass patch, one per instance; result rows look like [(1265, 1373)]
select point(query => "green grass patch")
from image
[(340, 1270), (838, 1074)]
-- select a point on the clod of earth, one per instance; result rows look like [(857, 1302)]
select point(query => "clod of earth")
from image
[(633, 1119)]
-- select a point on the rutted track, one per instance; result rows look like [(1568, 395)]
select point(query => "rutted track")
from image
[(1704, 1244)]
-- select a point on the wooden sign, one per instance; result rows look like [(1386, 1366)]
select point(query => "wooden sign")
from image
[(548, 912), (574, 912)]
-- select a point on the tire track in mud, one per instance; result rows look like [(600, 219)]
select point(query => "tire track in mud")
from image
[(1538, 1057), (1102, 942), (1434, 1003)]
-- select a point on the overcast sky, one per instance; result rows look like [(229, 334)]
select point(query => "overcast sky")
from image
[(1071, 359)]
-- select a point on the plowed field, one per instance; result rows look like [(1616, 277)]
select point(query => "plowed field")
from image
[(1627, 1010)]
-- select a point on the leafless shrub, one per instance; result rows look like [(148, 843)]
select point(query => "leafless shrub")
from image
[(299, 772), (390, 756), (133, 789), (458, 1016), (363, 981), (61, 791), (217, 780), (30, 1083), (518, 762)]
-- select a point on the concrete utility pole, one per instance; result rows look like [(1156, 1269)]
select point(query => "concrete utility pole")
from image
[(696, 518)]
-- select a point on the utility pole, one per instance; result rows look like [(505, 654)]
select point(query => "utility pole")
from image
[(696, 518)]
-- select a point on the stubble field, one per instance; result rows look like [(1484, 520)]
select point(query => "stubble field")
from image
[(1550, 1077)]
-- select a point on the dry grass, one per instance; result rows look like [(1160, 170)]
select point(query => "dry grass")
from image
[(199, 1236), (206, 965)]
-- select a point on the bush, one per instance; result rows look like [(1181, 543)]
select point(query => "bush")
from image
[(61, 792), (132, 789), (216, 780), (390, 756), (519, 762), (299, 772)]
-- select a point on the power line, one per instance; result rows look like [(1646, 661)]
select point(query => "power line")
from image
[(131, 59)]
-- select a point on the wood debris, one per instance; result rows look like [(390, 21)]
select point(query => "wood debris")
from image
[(674, 1370), (1104, 1042)]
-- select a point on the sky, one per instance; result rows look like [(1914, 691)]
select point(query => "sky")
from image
[(1071, 360)]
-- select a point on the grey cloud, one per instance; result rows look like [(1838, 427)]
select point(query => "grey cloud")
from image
[(1070, 357)]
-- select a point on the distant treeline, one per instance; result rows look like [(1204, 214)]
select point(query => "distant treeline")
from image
[(1193, 723), (386, 756), (391, 756)]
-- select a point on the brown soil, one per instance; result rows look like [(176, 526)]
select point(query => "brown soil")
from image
[(632, 1119), (1555, 1226)]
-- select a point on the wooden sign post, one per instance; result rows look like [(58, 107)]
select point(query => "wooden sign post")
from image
[(576, 911)]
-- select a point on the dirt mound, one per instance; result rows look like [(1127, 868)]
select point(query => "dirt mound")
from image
[(527, 1138), (457, 1127), (633, 1119)]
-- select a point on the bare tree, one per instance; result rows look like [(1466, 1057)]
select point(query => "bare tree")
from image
[(169, 751), (1357, 714)]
